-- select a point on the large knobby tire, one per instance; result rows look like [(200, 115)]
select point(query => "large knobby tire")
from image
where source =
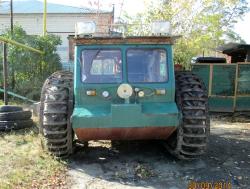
[(15, 125), (8, 108), (55, 111), (191, 137), (17, 115)]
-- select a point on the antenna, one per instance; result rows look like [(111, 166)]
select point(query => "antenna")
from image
[(121, 9)]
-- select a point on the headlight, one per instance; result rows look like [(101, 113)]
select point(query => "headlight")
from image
[(105, 94), (85, 28), (161, 27), (141, 94)]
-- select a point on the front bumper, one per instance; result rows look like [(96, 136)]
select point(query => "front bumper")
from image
[(125, 121)]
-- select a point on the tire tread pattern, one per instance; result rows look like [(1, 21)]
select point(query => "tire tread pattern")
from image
[(55, 111), (191, 138)]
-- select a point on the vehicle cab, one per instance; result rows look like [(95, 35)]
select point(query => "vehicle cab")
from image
[(124, 83)]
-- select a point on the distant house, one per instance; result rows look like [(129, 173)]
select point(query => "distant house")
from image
[(61, 20)]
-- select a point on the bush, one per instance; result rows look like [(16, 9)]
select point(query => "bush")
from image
[(27, 70)]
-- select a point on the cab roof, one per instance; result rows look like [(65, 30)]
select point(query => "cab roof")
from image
[(125, 40)]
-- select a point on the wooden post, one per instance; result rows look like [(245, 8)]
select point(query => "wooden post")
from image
[(5, 73), (236, 86), (210, 84)]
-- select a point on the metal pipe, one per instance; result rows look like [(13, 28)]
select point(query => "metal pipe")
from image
[(5, 74), (19, 96), (44, 17), (11, 16), (20, 45)]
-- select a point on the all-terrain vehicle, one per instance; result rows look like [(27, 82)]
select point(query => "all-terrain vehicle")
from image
[(125, 88)]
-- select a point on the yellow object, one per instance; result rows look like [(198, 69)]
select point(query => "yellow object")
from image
[(20, 45), (160, 91), (45, 17), (141, 94), (91, 93)]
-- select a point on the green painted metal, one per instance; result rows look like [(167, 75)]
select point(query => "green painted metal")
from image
[(228, 85), (223, 80), (150, 111), (126, 115), (18, 96)]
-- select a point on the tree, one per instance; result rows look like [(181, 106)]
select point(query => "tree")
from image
[(203, 24), (28, 70)]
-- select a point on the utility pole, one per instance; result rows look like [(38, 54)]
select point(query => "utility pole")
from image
[(44, 17), (5, 73), (11, 16)]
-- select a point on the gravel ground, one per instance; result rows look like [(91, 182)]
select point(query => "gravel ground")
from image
[(146, 164)]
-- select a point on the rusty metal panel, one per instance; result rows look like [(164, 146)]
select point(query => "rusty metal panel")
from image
[(86, 134), (125, 40)]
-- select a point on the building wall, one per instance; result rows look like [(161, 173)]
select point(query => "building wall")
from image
[(58, 24)]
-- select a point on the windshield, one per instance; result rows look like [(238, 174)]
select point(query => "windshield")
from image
[(146, 65), (101, 66)]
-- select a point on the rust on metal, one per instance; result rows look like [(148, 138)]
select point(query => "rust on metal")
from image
[(86, 134), (125, 40)]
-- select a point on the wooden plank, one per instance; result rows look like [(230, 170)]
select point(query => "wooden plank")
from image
[(236, 86), (211, 68)]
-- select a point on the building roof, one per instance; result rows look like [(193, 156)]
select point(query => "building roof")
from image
[(34, 6), (234, 48)]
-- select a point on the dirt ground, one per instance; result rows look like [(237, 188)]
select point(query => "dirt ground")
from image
[(146, 164)]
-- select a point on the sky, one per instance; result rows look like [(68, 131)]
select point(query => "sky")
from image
[(135, 6)]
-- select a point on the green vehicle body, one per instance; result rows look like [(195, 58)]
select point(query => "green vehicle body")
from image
[(125, 88), (98, 112)]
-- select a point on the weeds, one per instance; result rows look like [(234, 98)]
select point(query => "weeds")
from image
[(24, 164)]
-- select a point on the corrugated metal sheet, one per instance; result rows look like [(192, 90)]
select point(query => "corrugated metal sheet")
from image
[(34, 6), (228, 85)]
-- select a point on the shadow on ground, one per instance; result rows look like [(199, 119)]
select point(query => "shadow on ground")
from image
[(146, 164)]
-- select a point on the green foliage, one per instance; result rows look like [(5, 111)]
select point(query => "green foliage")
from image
[(27, 69), (203, 25)]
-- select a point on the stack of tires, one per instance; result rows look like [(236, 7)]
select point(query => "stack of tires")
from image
[(14, 118)]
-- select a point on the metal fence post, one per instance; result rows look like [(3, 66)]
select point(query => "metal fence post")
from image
[(5, 73)]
